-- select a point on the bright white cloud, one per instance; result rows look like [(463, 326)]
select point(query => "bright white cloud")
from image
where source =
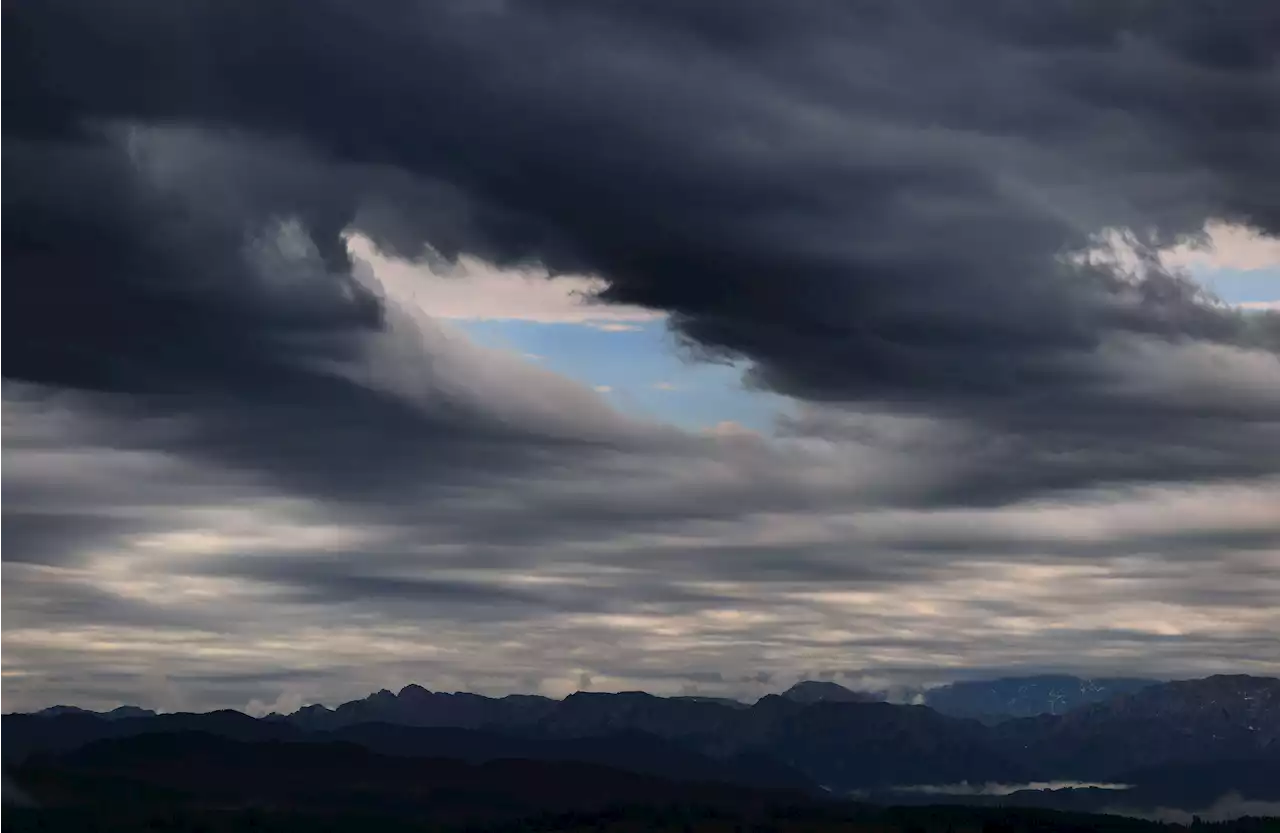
[(472, 290), (1227, 250), (1229, 247)]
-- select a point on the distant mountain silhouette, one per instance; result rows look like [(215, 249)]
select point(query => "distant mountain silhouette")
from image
[(845, 745), (115, 714), (417, 706), (1006, 697), (1188, 721), (780, 741), (987, 700), (815, 691)]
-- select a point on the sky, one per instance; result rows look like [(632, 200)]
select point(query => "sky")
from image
[(694, 347)]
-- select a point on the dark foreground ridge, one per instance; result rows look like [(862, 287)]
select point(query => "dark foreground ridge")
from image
[(670, 818), (197, 781)]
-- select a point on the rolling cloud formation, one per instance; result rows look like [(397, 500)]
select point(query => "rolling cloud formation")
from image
[(231, 441)]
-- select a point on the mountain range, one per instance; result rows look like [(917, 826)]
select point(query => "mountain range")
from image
[(811, 739), (991, 701)]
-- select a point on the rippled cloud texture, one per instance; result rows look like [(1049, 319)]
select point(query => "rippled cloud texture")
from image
[(245, 459)]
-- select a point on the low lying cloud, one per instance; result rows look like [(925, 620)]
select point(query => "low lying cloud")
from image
[(1228, 808), (991, 788)]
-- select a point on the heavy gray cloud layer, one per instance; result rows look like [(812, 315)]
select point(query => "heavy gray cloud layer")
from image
[(879, 206)]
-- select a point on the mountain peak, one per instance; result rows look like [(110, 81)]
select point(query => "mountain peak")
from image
[(118, 713), (822, 691), (54, 711)]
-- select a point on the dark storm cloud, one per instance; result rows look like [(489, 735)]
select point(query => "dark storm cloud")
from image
[(127, 287), (872, 202), (869, 201), (41, 599), (193, 288), (53, 538), (287, 675), (415, 586), (1182, 543)]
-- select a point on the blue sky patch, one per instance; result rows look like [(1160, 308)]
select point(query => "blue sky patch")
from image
[(638, 368)]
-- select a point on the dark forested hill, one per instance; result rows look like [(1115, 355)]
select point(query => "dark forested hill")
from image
[(187, 781)]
